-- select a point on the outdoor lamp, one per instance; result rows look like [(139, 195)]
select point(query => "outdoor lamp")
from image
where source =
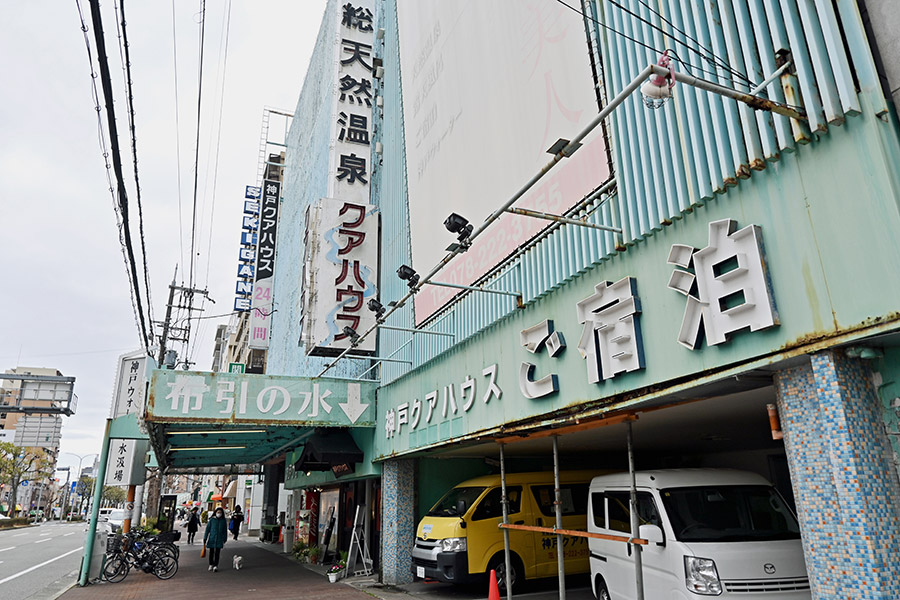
[(409, 275), (658, 89), (351, 333), (459, 225), (376, 307)]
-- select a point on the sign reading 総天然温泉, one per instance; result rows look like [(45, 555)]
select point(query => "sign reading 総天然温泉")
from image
[(260, 316), (200, 397), (341, 263)]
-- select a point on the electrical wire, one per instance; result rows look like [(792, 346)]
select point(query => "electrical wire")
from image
[(649, 47), (137, 183), (177, 138), (120, 202), (197, 145)]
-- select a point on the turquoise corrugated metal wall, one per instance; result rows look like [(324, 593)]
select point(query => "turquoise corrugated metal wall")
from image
[(668, 160)]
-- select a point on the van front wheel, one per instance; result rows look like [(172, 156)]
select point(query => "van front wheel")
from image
[(602, 592), (516, 574)]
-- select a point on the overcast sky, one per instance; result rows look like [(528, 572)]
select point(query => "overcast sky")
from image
[(66, 303)]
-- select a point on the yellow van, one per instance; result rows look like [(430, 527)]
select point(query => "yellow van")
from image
[(458, 540)]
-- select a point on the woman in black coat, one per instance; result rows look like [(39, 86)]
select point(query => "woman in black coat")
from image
[(193, 524)]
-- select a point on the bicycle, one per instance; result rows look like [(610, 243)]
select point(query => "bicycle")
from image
[(123, 554)]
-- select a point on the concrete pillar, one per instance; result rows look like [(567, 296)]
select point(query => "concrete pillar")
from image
[(848, 495), (398, 517)]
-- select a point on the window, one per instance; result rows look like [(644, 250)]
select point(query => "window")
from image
[(490, 506), (598, 500), (572, 497), (620, 511), (446, 506), (729, 513)]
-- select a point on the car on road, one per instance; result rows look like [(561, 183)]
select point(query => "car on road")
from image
[(116, 518)]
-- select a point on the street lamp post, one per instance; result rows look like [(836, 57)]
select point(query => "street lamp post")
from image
[(80, 459)]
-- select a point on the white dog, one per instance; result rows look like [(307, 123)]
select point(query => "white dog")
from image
[(237, 562)]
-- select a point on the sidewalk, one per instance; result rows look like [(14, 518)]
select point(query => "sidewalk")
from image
[(266, 573)]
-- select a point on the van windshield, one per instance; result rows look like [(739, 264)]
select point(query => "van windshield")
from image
[(729, 514), (446, 506)]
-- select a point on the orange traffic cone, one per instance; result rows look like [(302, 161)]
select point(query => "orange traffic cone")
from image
[(494, 590), (281, 535)]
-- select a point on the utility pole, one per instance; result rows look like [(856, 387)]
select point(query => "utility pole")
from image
[(181, 334)]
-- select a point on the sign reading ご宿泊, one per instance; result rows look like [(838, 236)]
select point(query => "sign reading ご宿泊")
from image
[(727, 289), (200, 397)]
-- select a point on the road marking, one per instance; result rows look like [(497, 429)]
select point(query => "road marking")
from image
[(68, 534), (20, 534), (42, 541), (46, 562), (43, 534), (5, 549)]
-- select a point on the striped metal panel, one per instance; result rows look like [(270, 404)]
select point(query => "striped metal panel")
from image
[(667, 160)]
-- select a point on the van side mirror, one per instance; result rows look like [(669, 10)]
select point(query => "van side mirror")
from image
[(652, 533), (460, 507)]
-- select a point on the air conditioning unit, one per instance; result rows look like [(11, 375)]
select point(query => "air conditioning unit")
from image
[(379, 101)]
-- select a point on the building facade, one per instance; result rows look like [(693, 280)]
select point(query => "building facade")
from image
[(711, 262)]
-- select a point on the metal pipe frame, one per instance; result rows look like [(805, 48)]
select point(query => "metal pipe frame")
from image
[(415, 331), (638, 563), (557, 508), (505, 504), (560, 219), (565, 152)]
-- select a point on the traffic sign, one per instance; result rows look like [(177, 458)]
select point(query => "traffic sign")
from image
[(24, 483), (129, 506)]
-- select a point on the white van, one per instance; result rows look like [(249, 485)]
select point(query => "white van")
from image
[(712, 532)]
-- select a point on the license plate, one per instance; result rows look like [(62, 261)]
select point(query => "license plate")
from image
[(420, 572)]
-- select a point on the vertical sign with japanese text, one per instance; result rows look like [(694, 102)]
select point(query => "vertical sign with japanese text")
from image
[(126, 462), (131, 384), (260, 315), (340, 270)]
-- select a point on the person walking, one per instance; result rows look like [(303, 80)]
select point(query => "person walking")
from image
[(237, 517), (215, 536), (193, 524)]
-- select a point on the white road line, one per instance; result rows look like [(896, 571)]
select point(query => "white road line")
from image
[(19, 535), (42, 541), (46, 562), (68, 534), (5, 549), (43, 534)]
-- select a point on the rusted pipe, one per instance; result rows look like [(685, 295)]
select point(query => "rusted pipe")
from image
[(774, 422)]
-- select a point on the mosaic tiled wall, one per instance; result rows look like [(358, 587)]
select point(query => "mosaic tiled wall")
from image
[(398, 532), (848, 496)]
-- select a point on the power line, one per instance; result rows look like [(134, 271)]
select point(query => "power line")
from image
[(177, 138), (124, 240), (649, 47), (197, 144), (137, 182), (106, 84)]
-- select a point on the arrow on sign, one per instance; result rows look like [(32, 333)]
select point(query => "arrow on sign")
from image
[(353, 407)]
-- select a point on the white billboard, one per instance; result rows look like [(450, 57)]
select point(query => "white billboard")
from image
[(263, 288), (127, 459), (340, 275), (131, 383), (41, 431), (488, 87)]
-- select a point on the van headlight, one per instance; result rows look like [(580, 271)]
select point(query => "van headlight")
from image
[(701, 577), (453, 544)]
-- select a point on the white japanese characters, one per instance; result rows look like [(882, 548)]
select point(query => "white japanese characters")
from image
[(243, 288), (611, 339), (732, 286), (425, 412), (534, 339), (263, 288)]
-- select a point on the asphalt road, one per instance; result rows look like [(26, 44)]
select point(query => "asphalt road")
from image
[(578, 587), (37, 561)]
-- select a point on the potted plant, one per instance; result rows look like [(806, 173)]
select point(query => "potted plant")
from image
[(334, 573), (301, 550), (314, 554)]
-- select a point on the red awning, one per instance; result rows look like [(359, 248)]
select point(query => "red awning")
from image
[(215, 497)]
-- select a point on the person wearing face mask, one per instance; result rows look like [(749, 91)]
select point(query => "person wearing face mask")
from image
[(215, 536)]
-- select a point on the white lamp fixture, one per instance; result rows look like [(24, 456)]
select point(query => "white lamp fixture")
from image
[(658, 89)]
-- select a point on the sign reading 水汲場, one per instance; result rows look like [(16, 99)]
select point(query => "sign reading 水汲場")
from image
[(198, 397)]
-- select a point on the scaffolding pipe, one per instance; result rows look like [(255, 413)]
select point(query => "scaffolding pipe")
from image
[(638, 563), (505, 504), (415, 331), (557, 504), (560, 219)]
